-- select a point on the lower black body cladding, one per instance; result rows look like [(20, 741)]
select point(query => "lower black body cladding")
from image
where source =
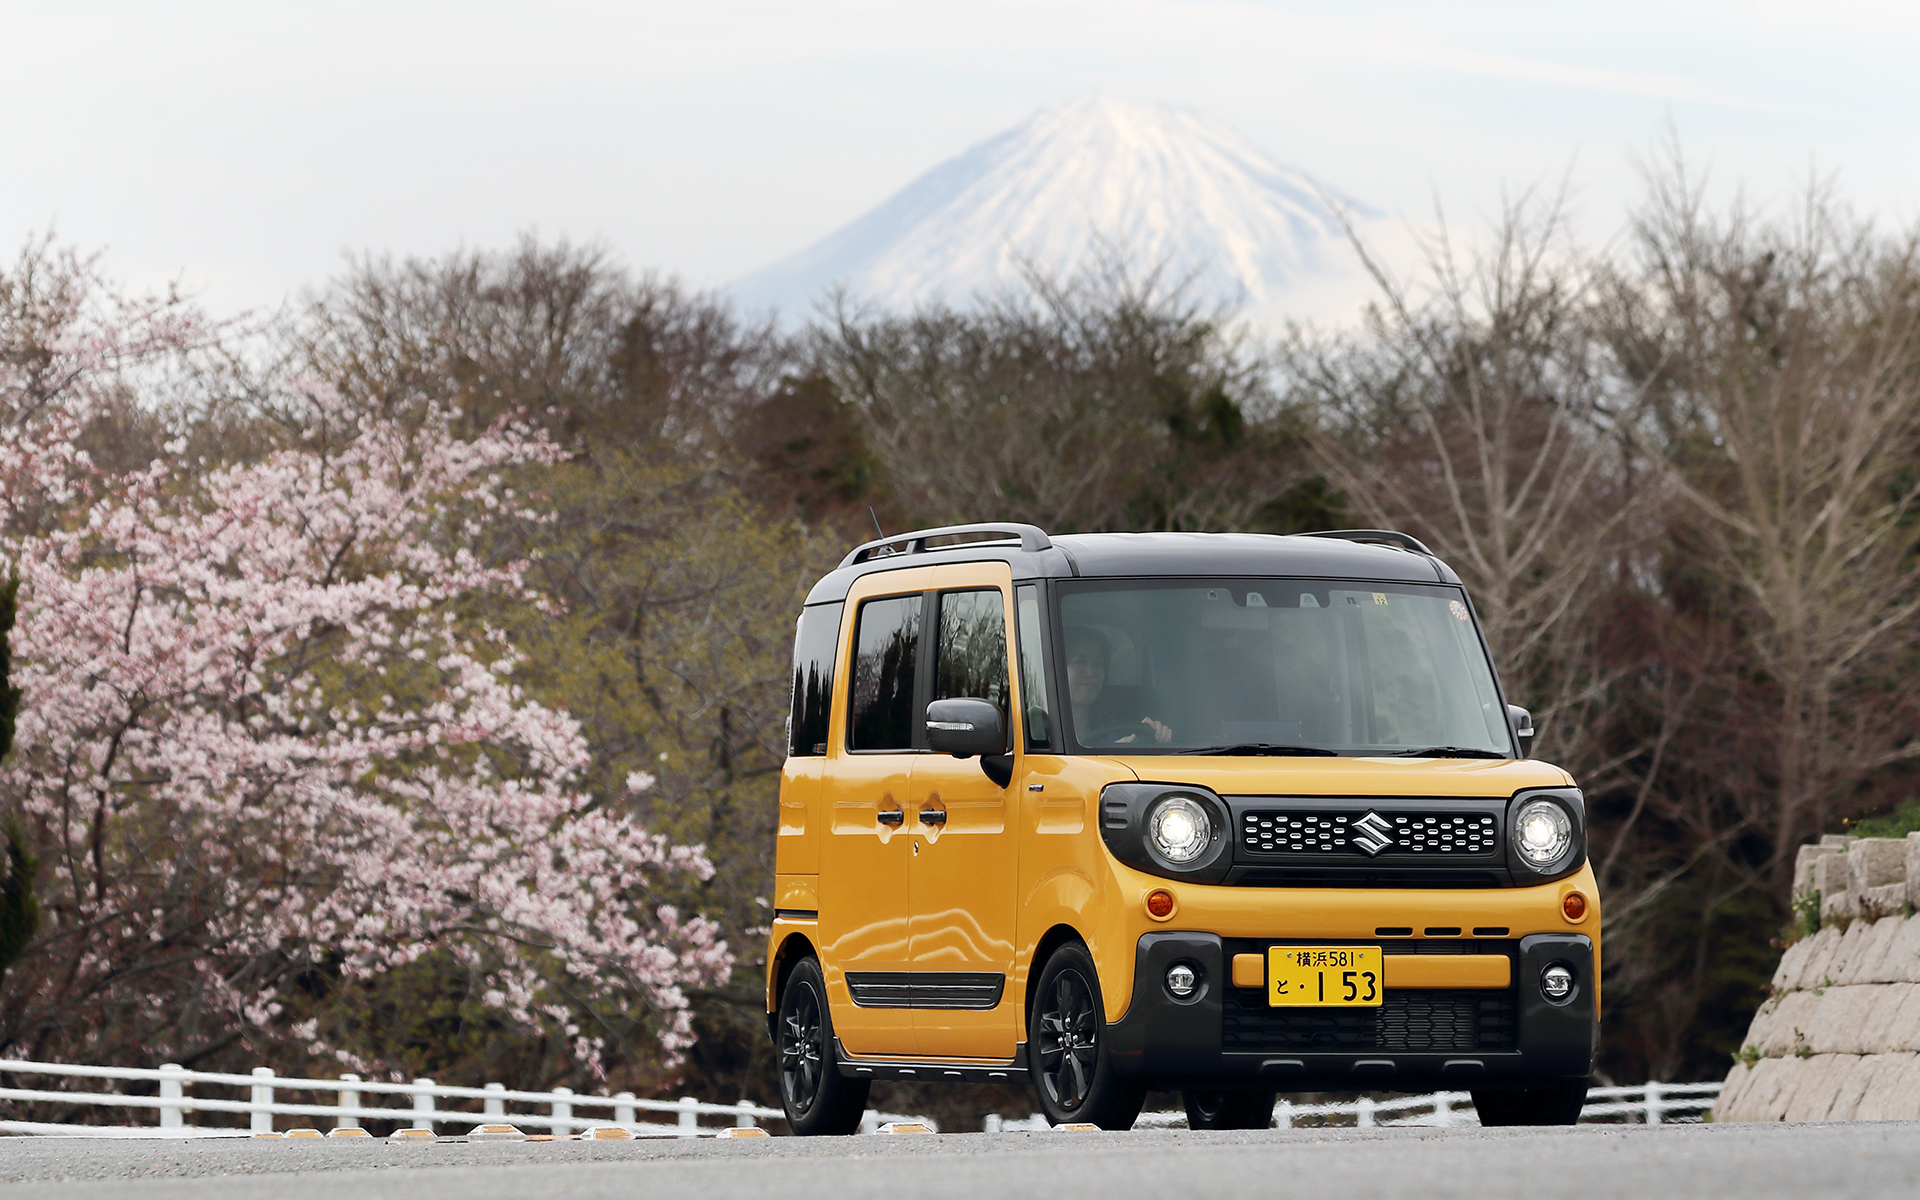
[(1418, 1039)]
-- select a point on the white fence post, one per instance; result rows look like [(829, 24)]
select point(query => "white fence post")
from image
[(1653, 1102), (1363, 1112), (689, 1119), (262, 1119), (562, 1110), (1283, 1114), (349, 1098), (423, 1105), (623, 1112), (1442, 1110), (494, 1106), (745, 1118), (992, 1123), (170, 1089)]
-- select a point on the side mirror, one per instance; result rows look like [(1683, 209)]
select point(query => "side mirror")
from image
[(1522, 722), (965, 727)]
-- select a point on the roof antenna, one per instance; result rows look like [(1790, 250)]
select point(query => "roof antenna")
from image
[(881, 549)]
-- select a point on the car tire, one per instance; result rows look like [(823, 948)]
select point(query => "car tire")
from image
[(1067, 1056), (1557, 1102), (1229, 1110), (817, 1099)]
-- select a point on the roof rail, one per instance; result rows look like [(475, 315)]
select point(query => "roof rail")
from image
[(1031, 538), (1403, 540)]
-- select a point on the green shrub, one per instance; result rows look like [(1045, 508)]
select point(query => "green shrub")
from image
[(1899, 822)]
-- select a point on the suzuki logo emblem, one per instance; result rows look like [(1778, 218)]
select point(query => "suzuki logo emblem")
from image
[(1372, 833)]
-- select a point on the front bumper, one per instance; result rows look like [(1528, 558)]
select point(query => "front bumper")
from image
[(1417, 1040)]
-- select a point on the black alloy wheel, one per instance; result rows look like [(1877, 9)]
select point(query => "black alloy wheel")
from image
[(1069, 1044), (1066, 1048), (816, 1099), (1229, 1110), (1556, 1102)]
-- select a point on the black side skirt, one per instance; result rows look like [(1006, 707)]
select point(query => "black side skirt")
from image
[(926, 989), (903, 1068)]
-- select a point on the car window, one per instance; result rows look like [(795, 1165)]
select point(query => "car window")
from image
[(970, 649), (816, 643), (1348, 666), (1033, 675), (886, 651)]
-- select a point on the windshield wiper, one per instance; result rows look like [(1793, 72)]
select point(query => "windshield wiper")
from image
[(1268, 748), (1447, 752)]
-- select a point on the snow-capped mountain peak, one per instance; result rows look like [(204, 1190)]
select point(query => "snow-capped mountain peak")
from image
[(1166, 187)]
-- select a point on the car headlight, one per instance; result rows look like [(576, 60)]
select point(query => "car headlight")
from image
[(1179, 829), (1173, 830), (1542, 833)]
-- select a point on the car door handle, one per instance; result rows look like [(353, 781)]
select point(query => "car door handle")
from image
[(892, 816), (933, 816)]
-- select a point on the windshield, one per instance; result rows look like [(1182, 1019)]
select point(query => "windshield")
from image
[(1277, 665)]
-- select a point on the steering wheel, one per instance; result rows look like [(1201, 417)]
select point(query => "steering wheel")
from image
[(1110, 733)]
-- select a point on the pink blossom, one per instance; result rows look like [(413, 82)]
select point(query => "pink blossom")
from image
[(264, 723)]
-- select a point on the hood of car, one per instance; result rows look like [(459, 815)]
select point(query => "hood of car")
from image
[(1248, 776)]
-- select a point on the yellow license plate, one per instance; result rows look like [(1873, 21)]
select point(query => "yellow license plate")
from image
[(1324, 976)]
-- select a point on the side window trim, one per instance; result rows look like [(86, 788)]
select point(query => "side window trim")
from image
[(923, 674), (1064, 733), (1040, 659)]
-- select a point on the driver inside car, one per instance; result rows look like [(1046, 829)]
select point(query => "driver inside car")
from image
[(1095, 724)]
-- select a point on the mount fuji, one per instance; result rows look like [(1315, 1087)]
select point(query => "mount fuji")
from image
[(1163, 187)]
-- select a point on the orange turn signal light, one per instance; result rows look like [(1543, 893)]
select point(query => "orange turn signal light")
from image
[(1574, 905), (1159, 904)]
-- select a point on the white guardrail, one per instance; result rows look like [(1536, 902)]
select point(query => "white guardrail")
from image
[(556, 1109), (560, 1111), (1652, 1103)]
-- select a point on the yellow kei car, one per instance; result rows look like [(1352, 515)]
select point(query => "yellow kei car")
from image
[(1230, 814)]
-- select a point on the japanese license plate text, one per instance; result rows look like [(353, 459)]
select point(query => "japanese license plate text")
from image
[(1324, 976)]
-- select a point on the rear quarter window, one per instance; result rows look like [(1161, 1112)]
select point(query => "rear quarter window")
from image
[(816, 647)]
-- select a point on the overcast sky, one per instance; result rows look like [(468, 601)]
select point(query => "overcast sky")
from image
[(247, 146)]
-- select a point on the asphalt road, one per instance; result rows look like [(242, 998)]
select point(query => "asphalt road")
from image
[(1592, 1162)]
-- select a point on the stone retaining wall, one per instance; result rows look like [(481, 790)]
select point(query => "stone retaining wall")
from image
[(1839, 1038)]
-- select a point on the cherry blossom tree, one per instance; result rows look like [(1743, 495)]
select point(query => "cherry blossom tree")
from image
[(269, 733)]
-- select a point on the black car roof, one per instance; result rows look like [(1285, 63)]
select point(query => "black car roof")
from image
[(1033, 554)]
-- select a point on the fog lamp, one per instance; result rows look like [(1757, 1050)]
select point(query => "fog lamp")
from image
[(1556, 982), (1181, 980)]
